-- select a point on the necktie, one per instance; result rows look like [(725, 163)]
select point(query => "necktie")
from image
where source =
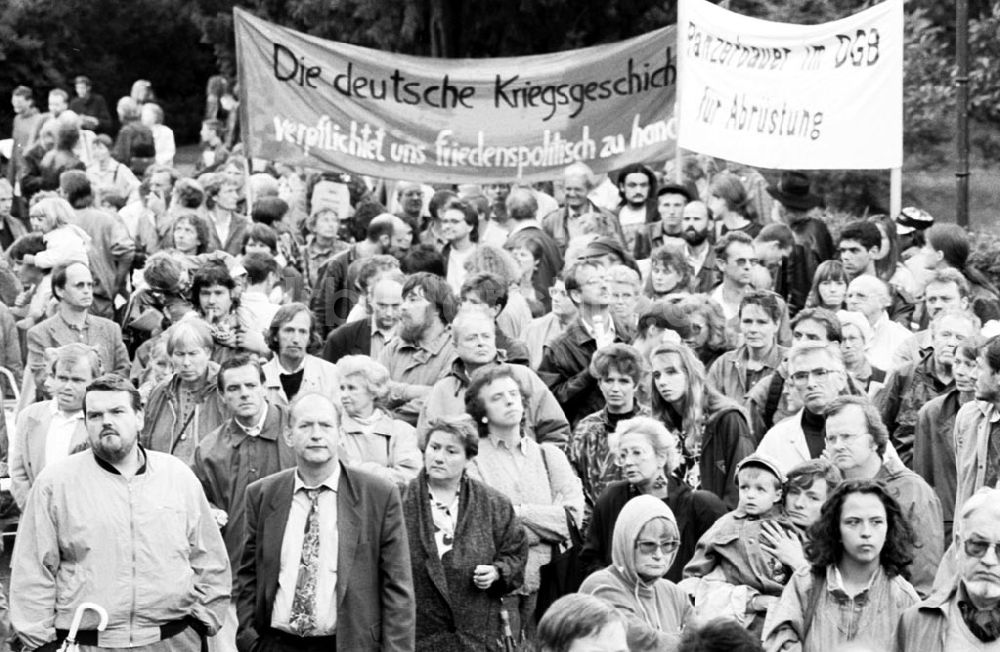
[(303, 616)]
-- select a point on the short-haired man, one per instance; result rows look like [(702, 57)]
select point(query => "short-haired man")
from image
[(579, 622), (326, 564), (670, 201), (476, 348), (488, 290), (964, 616), (214, 153), (73, 288), (696, 231), (872, 297), (122, 527), (292, 370), (735, 258), (91, 107), (790, 264), (249, 446), (857, 441), (564, 224), (619, 370), (817, 377), (368, 336), (946, 289), (526, 232), (11, 228), (422, 351), (860, 243), (565, 364), (333, 298), (49, 431), (977, 429), (734, 373), (112, 248), (909, 388)]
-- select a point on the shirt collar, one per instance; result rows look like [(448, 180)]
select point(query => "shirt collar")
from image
[(111, 469), (56, 412), (330, 483), (284, 372), (835, 582), (521, 445), (386, 335), (258, 428)]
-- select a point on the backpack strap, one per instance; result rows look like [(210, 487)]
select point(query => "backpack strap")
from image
[(812, 602)]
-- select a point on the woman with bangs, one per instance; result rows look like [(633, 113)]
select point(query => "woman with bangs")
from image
[(708, 338), (829, 286), (669, 274), (714, 431), (855, 588)]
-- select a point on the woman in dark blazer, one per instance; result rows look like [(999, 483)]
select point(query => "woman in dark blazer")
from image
[(467, 548)]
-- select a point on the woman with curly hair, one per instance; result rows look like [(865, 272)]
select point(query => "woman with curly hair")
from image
[(829, 286), (669, 273), (855, 588), (708, 335), (714, 431)]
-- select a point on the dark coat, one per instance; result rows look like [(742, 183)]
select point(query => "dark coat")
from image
[(452, 614), (565, 368), (813, 234), (794, 276), (695, 512), (353, 338), (375, 607), (95, 106), (906, 390), (934, 451), (333, 299)]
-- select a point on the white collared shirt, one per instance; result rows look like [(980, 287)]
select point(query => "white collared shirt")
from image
[(291, 555), (255, 430), (60, 433)]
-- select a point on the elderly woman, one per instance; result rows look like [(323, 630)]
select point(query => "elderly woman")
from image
[(646, 538), (188, 405), (369, 436), (537, 478), (467, 547), (854, 590), (856, 337), (647, 455)]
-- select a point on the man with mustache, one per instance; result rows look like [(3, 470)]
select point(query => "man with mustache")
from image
[(696, 229), (967, 617), (422, 350), (292, 370), (124, 528)]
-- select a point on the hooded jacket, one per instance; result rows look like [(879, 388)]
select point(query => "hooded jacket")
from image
[(655, 611)]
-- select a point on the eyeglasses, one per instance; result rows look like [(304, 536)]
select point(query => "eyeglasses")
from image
[(650, 547), (802, 377), (978, 549), (832, 440), (621, 458), (743, 262)]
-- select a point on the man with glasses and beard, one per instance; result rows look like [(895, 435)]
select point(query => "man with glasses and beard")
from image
[(124, 528), (422, 351), (696, 229)]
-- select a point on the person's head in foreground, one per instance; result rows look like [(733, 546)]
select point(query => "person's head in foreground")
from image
[(581, 623)]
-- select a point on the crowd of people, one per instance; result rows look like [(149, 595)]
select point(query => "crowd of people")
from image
[(262, 408)]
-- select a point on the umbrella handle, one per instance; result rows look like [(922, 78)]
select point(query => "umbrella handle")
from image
[(102, 614)]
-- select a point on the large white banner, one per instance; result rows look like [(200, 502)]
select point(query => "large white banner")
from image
[(786, 96)]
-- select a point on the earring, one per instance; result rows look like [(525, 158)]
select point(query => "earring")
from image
[(485, 420)]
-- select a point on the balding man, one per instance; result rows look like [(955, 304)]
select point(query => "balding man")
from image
[(565, 224), (326, 564), (526, 233), (336, 294), (967, 616), (871, 297)]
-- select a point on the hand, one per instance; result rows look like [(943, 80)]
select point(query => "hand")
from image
[(251, 340), (221, 517), (762, 603), (484, 576), (784, 545)]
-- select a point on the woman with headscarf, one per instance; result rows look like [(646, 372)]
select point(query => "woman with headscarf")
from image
[(644, 545)]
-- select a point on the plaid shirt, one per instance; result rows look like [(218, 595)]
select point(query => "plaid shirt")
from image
[(589, 453)]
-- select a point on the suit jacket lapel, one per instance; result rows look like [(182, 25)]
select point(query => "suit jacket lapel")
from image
[(273, 519), (426, 524), (348, 532)]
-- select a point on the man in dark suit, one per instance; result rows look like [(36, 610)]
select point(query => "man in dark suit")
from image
[(367, 336), (326, 562)]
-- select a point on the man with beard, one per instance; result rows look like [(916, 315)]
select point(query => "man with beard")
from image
[(977, 429), (906, 390), (858, 444), (122, 527), (293, 371), (696, 228), (965, 617), (565, 224), (565, 364), (369, 336), (636, 186), (422, 351)]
